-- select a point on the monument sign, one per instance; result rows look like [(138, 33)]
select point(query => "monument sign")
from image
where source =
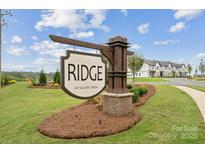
[(84, 78)]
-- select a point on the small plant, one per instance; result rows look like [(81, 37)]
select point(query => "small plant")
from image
[(56, 85), (11, 81), (129, 86), (142, 91), (136, 95)]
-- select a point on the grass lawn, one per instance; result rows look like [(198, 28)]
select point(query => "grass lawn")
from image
[(199, 79), (198, 88), (169, 110), (145, 79)]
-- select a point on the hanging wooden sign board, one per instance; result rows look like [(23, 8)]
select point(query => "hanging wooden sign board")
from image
[(83, 75)]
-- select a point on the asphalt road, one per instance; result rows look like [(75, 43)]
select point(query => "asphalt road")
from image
[(185, 82), (178, 82)]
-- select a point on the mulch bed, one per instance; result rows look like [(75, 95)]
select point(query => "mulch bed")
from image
[(88, 120), (144, 98)]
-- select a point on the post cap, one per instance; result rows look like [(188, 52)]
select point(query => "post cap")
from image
[(118, 40)]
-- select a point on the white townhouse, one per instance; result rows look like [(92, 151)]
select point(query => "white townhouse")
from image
[(155, 68)]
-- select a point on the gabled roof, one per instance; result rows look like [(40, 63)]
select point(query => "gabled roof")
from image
[(178, 65), (150, 62), (163, 63)]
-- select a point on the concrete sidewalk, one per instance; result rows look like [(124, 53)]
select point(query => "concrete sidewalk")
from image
[(197, 96)]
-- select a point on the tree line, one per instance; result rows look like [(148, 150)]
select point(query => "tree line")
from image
[(36, 77)]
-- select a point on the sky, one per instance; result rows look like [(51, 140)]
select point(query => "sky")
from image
[(171, 35)]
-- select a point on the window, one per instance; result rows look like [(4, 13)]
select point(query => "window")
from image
[(151, 67)]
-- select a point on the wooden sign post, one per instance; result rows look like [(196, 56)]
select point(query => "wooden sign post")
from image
[(117, 100)]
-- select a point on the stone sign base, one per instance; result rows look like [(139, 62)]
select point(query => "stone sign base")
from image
[(118, 104)]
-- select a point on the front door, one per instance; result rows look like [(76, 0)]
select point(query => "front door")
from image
[(161, 74)]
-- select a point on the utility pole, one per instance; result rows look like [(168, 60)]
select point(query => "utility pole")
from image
[(2, 22), (0, 47)]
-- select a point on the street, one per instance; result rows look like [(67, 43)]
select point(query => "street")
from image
[(185, 82)]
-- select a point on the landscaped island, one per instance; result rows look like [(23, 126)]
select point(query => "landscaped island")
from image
[(89, 119)]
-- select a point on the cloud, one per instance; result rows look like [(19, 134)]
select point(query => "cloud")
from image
[(179, 26), (53, 49), (34, 38), (97, 18), (143, 28), (187, 14), (49, 48), (82, 34), (74, 20), (16, 39), (60, 19), (135, 46), (166, 42), (17, 51), (200, 56), (46, 61), (124, 12)]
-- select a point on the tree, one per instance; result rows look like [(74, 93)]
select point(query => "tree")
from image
[(135, 62), (196, 72), (4, 80), (202, 67), (42, 78), (189, 69), (57, 77)]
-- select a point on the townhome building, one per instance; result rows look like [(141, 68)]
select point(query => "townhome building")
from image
[(156, 68)]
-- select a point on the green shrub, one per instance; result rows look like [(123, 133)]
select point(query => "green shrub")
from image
[(33, 81), (57, 77), (129, 86), (142, 91), (42, 78), (4, 80), (136, 95), (138, 92)]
